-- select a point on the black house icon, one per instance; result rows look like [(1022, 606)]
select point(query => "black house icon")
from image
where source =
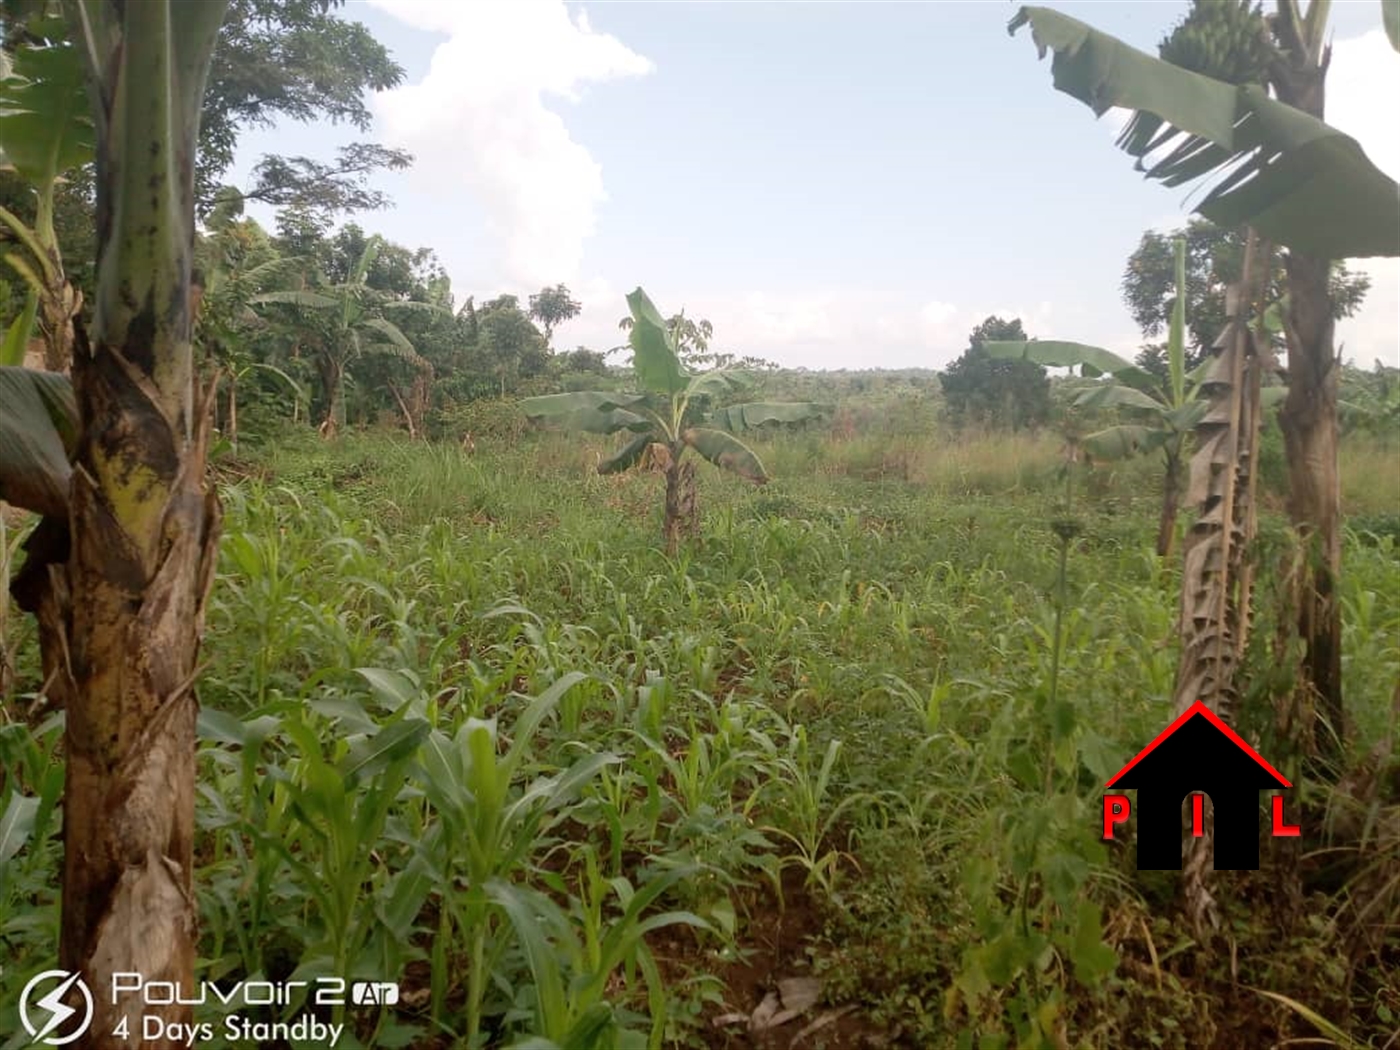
[(1198, 752)]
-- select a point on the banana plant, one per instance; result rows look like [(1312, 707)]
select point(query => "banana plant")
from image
[(45, 131), (1171, 414), (353, 326), (668, 415)]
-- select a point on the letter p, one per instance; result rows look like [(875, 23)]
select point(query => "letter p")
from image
[(1115, 811)]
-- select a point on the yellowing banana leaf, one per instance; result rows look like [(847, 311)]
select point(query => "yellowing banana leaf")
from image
[(593, 411), (1054, 353), (627, 456), (726, 451), (1298, 181), (1123, 441), (756, 413), (654, 357), (38, 430)]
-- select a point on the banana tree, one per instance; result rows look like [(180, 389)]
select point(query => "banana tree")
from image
[(118, 569), (1171, 413), (1299, 183), (350, 325), (45, 130), (668, 415)]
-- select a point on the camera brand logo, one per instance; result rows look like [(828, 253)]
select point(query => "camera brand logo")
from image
[(1197, 755), (52, 1010)]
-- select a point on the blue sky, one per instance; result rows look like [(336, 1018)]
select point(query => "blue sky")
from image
[(832, 185)]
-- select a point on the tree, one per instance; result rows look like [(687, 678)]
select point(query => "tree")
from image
[(996, 392), (1298, 183), (343, 322), (297, 59), (235, 262), (508, 343), (1213, 257), (119, 568), (665, 417), (1295, 181), (551, 307)]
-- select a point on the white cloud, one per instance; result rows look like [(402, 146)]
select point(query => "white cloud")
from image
[(478, 125)]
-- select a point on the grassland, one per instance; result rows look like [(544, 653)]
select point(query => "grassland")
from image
[(467, 728)]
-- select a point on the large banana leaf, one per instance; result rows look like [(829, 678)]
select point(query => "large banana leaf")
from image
[(1298, 181), (726, 451), (654, 357), (1123, 441), (45, 123), (1116, 395), (593, 411), (721, 382), (757, 413), (1055, 353), (38, 430)]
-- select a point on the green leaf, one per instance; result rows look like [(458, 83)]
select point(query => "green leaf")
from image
[(654, 356), (38, 429), (757, 413), (1116, 395), (45, 123), (370, 755), (16, 825), (594, 411), (1093, 959), (17, 335), (1390, 17), (1053, 353), (1295, 179), (627, 456), (727, 452), (1123, 441), (310, 300)]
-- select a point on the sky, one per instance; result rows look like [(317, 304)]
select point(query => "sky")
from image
[(832, 185)]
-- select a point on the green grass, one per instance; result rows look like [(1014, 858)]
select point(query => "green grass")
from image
[(467, 727)]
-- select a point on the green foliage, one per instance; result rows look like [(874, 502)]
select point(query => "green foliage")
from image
[(982, 390), (439, 701), (1311, 188), (1213, 260)]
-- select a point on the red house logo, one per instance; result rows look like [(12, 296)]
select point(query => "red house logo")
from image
[(1197, 755)]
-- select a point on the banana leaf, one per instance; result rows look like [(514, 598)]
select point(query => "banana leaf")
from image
[(654, 357), (727, 452), (593, 411), (1123, 441), (1092, 360), (1116, 395), (1298, 181), (738, 418), (45, 123), (627, 456), (311, 300), (719, 383), (38, 431)]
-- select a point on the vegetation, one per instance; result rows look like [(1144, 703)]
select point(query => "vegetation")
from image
[(825, 771)]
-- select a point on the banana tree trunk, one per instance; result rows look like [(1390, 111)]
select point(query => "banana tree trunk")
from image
[(1171, 498), (1309, 415), (333, 379), (126, 608), (1215, 585), (682, 515)]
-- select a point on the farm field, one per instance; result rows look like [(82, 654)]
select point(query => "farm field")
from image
[(466, 727)]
